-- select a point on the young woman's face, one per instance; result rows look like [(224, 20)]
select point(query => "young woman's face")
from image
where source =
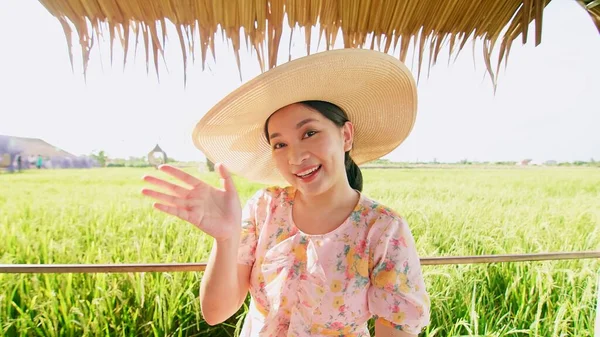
[(308, 148)]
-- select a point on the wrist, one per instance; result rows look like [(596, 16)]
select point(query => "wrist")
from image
[(233, 239)]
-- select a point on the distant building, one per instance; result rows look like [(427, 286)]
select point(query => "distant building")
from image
[(157, 156), (524, 162), (31, 148)]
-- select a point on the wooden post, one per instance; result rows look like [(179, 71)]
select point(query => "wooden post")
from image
[(210, 165), (597, 323)]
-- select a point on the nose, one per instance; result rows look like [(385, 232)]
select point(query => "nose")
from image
[(296, 155)]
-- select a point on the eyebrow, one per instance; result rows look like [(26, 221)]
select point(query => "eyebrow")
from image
[(298, 126)]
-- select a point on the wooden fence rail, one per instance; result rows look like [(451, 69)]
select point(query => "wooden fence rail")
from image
[(187, 267), (597, 322)]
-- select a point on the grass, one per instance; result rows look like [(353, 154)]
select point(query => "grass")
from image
[(98, 216)]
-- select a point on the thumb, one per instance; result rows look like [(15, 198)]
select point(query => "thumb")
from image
[(226, 178)]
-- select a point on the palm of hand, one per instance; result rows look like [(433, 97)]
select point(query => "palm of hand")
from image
[(214, 211)]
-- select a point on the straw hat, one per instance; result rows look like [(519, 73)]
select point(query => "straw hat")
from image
[(376, 90)]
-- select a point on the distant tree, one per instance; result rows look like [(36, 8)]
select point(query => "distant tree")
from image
[(210, 164), (379, 162), (100, 157)]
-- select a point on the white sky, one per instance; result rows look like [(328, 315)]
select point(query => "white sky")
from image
[(546, 106)]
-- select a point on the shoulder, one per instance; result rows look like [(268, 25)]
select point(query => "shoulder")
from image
[(376, 210), (265, 201), (381, 219)]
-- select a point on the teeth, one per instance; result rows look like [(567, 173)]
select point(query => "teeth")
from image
[(307, 172)]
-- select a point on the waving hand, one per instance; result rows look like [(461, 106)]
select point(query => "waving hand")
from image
[(217, 212)]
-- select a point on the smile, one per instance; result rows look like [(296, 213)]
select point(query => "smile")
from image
[(308, 173)]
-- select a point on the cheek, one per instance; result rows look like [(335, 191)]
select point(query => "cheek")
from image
[(328, 148), (280, 161)]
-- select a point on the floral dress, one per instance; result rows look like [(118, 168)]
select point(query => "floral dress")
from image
[(329, 284)]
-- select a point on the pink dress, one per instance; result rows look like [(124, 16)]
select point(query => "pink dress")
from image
[(329, 284)]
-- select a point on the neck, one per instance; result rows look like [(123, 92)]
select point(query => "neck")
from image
[(339, 196)]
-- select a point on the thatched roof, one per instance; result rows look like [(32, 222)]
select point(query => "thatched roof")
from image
[(153, 160), (157, 149), (35, 146), (593, 8), (386, 25)]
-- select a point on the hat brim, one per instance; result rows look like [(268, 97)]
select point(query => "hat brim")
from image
[(376, 90)]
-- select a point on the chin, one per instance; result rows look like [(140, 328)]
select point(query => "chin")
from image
[(312, 189)]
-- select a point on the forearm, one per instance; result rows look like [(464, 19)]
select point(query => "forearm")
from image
[(219, 288)]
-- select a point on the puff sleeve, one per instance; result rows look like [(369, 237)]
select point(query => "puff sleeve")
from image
[(397, 296), (249, 236)]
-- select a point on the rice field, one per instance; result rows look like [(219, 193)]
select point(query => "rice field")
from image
[(98, 216)]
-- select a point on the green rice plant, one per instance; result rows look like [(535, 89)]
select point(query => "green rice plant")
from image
[(99, 216)]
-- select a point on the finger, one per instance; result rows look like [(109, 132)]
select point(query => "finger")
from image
[(171, 187), (165, 198), (226, 178), (183, 176), (178, 212)]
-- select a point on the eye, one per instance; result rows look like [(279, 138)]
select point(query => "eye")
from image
[(278, 146), (310, 133)]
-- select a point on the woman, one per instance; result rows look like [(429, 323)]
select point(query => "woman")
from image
[(318, 257)]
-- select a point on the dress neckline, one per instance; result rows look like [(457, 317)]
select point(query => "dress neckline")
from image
[(290, 205)]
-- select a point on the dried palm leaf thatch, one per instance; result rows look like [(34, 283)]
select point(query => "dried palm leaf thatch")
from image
[(390, 24), (593, 8)]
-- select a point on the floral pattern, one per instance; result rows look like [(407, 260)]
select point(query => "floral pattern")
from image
[(329, 284)]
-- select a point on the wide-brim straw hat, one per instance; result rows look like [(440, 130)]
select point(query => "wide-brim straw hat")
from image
[(376, 90)]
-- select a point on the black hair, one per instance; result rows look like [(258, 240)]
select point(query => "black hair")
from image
[(335, 114)]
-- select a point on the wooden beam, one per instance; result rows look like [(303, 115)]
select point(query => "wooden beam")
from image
[(200, 266)]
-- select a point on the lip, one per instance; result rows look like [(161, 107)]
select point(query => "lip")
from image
[(306, 169), (312, 176)]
